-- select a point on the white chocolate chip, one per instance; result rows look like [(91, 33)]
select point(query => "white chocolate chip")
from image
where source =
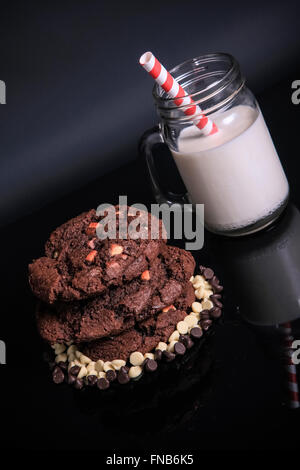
[(196, 315), (59, 348), (118, 363), (171, 346), (162, 346), (84, 359), (101, 374), (53, 346), (107, 366), (182, 327), (196, 307), (72, 349), (191, 320), (78, 354), (99, 365), (207, 305), (134, 372), (174, 336), (136, 358), (149, 356), (91, 365), (61, 357), (71, 357), (77, 363), (208, 293), (192, 279), (92, 372), (82, 372), (199, 293), (69, 343)]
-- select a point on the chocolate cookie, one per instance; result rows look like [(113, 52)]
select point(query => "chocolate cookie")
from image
[(166, 282), (143, 338), (78, 265)]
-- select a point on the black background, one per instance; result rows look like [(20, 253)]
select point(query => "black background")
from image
[(77, 99), (77, 104)]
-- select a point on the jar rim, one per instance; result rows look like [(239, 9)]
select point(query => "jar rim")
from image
[(233, 68)]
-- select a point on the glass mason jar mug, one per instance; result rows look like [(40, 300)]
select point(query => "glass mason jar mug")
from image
[(236, 172)]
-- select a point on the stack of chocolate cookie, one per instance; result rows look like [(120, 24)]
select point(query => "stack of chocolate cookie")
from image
[(106, 304)]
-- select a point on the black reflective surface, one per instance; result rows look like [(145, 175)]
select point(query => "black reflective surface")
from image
[(229, 392)]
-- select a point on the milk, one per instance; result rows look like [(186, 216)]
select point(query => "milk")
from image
[(236, 172)]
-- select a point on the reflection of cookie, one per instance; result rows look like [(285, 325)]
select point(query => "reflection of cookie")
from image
[(143, 338), (79, 265), (120, 308)]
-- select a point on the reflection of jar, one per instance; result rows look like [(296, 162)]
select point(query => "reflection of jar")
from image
[(235, 172), (264, 271)]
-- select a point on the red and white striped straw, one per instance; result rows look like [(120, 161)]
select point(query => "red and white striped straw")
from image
[(174, 90), (290, 367)]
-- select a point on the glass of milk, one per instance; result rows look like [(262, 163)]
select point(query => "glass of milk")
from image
[(236, 173)]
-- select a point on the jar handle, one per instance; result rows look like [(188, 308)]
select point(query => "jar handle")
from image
[(148, 140)]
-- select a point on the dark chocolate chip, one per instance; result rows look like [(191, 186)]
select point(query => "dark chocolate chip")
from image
[(201, 269), (103, 383), (215, 312), (215, 281), (71, 379), (186, 340), (92, 380), (208, 273), (78, 384), (58, 375), (218, 289), (158, 355), (217, 303), (74, 370), (123, 377), (111, 375), (179, 348), (215, 296), (124, 369), (168, 356), (196, 333), (63, 365), (205, 324), (205, 314), (151, 365)]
